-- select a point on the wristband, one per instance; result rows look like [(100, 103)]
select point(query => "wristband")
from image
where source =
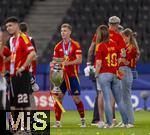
[(88, 63)]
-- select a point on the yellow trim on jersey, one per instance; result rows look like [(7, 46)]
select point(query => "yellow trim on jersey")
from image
[(76, 74), (75, 43), (57, 45), (132, 62), (96, 48), (24, 36)]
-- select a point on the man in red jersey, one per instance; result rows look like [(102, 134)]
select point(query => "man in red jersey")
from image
[(114, 22), (24, 29), (35, 87), (4, 54), (69, 53), (22, 54)]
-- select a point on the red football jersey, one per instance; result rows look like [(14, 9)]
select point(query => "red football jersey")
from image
[(20, 48), (5, 53), (108, 53), (131, 54), (116, 37), (75, 49)]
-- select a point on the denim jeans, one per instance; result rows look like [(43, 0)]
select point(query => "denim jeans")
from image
[(126, 84), (109, 81)]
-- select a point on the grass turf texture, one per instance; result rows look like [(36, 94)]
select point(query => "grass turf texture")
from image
[(70, 125)]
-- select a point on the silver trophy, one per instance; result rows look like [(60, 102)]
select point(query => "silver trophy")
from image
[(57, 78)]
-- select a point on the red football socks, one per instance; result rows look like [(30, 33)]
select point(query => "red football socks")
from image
[(80, 109), (58, 111)]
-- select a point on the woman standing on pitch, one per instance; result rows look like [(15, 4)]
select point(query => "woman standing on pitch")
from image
[(107, 54), (129, 63)]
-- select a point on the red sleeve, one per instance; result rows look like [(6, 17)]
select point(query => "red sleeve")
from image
[(121, 42), (6, 52), (56, 52), (132, 54), (27, 45), (78, 50), (99, 50)]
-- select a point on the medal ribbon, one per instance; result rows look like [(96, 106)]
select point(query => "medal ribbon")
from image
[(14, 47), (66, 53)]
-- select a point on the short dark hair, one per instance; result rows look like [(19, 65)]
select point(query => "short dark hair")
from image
[(23, 27), (11, 19)]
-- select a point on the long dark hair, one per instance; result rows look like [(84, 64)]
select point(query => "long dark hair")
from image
[(102, 34)]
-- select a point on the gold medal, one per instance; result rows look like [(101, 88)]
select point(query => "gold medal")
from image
[(65, 57)]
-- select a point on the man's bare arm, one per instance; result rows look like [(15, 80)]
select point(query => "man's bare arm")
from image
[(98, 67), (90, 52), (78, 60), (57, 60)]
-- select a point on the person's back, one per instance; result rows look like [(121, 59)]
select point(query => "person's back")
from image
[(116, 37), (108, 53)]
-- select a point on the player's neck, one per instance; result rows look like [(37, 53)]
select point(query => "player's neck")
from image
[(16, 34), (66, 40), (112, 29)]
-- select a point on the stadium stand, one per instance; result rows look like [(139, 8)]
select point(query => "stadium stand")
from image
[(85, 16), (18, 8), (50, 13)]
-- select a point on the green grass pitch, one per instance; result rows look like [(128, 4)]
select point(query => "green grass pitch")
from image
[(70, 125)]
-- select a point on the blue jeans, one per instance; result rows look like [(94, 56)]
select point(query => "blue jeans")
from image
[(126, 84), (109, 81)]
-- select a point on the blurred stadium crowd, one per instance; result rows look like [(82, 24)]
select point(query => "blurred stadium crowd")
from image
[(85, 16)]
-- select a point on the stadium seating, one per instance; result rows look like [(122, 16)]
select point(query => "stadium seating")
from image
[(18, 8), (85, 16)]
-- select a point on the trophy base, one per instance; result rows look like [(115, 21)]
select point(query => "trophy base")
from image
[(56, 90)]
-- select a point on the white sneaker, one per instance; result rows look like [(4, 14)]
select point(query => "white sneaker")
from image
[(94, 123), (83, 124), (101, 124), (130, 126), (108, 126), (57, 125), (123, 125)]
